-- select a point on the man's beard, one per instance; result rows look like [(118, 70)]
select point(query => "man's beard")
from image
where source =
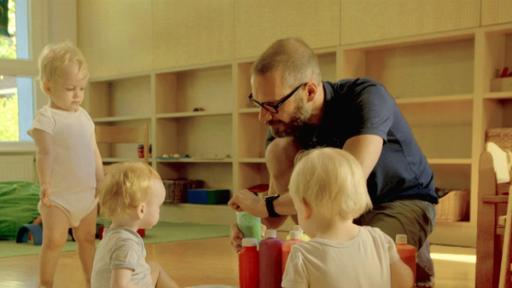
[(296, 123)]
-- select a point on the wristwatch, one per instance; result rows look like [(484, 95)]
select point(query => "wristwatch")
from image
[(269, 203)]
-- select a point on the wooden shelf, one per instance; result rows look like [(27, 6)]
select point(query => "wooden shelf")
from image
[(120, 159), (192, 114), (252, 160), (434, 99), (448, 161), (192, 160), (499, 95), (249, 110), (121, 119)]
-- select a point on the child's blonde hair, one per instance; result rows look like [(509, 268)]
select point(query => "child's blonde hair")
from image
[(54, 56), (126, 186), (331, 181)]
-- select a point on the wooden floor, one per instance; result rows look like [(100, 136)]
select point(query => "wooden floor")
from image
[(211, 261)]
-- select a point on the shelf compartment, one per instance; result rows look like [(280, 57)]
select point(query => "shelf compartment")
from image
[(498, 113), (443, 130), (208, 88), (121, 152), (252, 174), (120, 97), (215, 175), (413, 70), (453, 176), (199, 137), (252, 135), (498, 54)]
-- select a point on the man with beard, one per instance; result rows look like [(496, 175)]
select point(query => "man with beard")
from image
[(357, 115)]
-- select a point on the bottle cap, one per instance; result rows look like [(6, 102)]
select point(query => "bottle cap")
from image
[(401, 239), (296, 228), (249, 242), (271, 233), (295, 234)]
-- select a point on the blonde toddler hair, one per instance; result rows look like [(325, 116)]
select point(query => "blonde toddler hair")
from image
[(331, 181), (54, 56), (125, 186)]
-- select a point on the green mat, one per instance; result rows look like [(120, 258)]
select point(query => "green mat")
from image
[(162, 232)]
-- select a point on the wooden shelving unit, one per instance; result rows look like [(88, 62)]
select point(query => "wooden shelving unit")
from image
[(438, 68)]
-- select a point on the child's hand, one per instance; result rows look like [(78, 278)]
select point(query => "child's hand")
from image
[(45, 196)]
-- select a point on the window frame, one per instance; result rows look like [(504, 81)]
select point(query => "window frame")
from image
[(38, 16)]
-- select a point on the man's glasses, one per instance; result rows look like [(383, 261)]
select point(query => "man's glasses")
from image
[(273, 107)]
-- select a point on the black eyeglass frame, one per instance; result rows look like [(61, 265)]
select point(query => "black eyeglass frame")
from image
[(273, 107)]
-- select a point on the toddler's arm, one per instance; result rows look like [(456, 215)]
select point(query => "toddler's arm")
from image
[(99, 164), (121, 278), (401, 275), (44, 162)]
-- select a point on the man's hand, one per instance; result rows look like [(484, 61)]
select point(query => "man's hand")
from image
[(245, 200), (45, 194), (236, 237)]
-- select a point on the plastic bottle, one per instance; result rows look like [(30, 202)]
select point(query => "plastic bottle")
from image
[(303, 236), (407, 252), (248, 264), (294, 238), (270, 260), (249, 225)]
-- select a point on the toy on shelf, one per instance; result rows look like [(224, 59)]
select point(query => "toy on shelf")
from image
[(503, 80)]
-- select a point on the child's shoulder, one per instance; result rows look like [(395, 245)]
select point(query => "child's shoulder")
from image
[(376, 234)]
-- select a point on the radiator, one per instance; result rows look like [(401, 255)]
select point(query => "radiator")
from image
[(17, 168)]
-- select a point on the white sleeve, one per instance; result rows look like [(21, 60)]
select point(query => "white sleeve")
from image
[(391, 247), (43, 121), (295, 274)]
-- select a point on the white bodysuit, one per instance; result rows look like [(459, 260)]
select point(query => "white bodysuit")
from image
[(73, 178)]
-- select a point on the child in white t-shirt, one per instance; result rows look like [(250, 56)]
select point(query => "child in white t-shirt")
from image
[(328, 190), (69, 164), (131, 196)]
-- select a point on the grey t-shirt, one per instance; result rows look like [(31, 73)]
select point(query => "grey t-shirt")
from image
[(121, 249)]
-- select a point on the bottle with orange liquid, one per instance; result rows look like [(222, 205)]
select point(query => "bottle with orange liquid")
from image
[(295, 237), (248, 264), (407, 252)]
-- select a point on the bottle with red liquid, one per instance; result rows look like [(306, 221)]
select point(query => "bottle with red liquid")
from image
[(248, 264), (407, 253), (270, 260), (295, 238)]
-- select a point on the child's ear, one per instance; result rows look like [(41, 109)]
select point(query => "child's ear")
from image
[(141, 209), (308, 210), (47, 87)]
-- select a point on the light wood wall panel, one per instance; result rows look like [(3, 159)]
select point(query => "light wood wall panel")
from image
[(496, 11), (191, 32), (115, 36), (260, 22), (370, 20)]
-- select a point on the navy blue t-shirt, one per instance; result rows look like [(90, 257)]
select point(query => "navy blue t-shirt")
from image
[(361, 106)]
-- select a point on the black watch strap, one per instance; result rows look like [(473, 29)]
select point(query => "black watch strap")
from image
[(269, 203)]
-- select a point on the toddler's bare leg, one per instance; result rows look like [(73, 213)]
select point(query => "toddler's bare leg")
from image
[(55, 234), (161, 279), (85, 236)]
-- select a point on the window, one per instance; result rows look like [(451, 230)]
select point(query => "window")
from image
[(17, 71)]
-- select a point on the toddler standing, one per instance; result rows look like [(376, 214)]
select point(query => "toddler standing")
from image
[(68, 162)]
